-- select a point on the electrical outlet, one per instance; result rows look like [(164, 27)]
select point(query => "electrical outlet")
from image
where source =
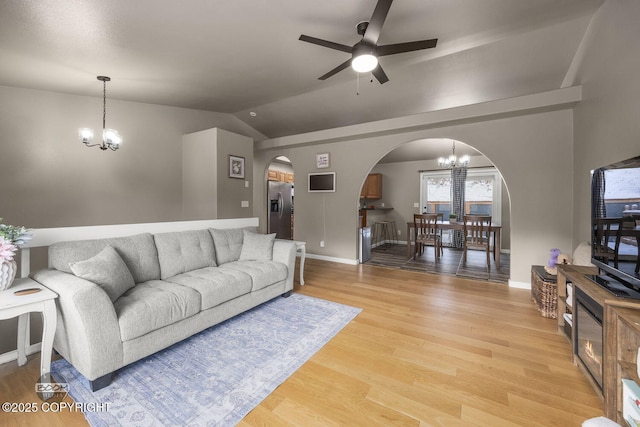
[(246, 184), (244, 204), (322, 243), (399, 232), (416, 205)]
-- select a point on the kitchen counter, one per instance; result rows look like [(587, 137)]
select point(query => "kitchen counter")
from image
[(363, 214)]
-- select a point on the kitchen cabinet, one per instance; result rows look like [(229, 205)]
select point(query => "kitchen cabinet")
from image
[(372, 188), (276, 175)]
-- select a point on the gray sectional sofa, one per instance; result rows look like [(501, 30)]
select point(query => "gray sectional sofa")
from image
[(122, 299)]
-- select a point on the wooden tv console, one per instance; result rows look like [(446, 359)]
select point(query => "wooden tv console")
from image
[(621, 335)]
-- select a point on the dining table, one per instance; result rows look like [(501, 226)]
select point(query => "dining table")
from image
[(495, 229)]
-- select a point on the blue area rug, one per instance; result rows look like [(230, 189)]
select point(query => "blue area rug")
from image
[(218, 376)]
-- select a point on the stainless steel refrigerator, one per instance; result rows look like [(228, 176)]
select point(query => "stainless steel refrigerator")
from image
[(280, 209)]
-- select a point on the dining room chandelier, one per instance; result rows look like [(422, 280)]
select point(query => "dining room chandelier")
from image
[(111, 139), (453, 161)]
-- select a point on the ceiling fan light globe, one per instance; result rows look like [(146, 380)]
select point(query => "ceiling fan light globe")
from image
[(364, 63)]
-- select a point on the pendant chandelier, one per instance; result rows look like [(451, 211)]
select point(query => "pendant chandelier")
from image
[(111, 139), (453, 161)]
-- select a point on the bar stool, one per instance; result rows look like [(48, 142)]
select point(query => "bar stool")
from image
[(385, 231), (393, 230)]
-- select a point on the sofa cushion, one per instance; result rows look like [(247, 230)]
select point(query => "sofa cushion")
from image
[(257, 247), (228, 244), (215, 285), (151, 305), (107, 270), (182, 251), (263, 273), (138, 252)]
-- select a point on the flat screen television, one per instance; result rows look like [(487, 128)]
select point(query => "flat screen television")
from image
[(615, 193), (322, 182)]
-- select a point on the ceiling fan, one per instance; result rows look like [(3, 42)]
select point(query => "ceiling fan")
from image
[(365, 53)]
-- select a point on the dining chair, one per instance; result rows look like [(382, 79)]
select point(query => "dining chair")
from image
[(477, 235), (607, 232), (426, 233)]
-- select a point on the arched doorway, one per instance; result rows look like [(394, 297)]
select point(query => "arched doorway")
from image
[(280, 198), (405, 171)]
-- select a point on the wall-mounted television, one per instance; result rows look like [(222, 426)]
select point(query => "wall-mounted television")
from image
[(322, 182), (615, 193)]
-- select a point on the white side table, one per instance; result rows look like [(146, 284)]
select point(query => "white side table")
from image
[(302, 248), (43, 301)]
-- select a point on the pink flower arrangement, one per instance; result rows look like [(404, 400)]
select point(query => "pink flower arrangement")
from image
[(11, 237), (7, 250)]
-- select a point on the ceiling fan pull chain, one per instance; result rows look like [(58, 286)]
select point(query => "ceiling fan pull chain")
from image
[(357, 83)]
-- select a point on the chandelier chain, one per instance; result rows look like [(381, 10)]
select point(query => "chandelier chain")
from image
[(104, 104)]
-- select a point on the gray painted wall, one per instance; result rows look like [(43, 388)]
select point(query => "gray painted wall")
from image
[(607, 125), (207, 190), (531, 151), (49, 179)]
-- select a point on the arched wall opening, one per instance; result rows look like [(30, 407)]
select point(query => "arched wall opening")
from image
[(279, 185), (401, 167)]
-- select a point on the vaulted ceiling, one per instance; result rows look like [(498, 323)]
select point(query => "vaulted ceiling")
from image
[(244, 56)]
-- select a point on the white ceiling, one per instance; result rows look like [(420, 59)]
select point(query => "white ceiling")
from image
[(244, 56), (427, 149)]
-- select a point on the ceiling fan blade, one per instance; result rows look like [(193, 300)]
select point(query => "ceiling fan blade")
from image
[(391, 49), (326, 43), (372, 34), (336, 70), (380, 75)]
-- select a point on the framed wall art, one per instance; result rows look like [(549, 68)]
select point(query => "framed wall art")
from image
[(322, 160), (236, 167)]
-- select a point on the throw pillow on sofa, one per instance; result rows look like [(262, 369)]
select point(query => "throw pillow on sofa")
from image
[(257, 247), (227, 243), (107, 270), (182, 251)]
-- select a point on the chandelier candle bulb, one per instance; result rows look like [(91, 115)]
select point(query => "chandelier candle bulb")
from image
[(86, 135)]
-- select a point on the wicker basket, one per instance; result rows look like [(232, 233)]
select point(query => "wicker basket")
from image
[(544, 292)]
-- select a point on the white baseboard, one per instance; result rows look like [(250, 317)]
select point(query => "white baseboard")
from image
[(519, 285), (10, 356), (333, 259), (388, 242)]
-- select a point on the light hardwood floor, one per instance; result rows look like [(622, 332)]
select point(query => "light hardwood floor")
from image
[(426, 350)]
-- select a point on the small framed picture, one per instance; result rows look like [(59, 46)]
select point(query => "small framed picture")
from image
[(236, 167), (322, 160)]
